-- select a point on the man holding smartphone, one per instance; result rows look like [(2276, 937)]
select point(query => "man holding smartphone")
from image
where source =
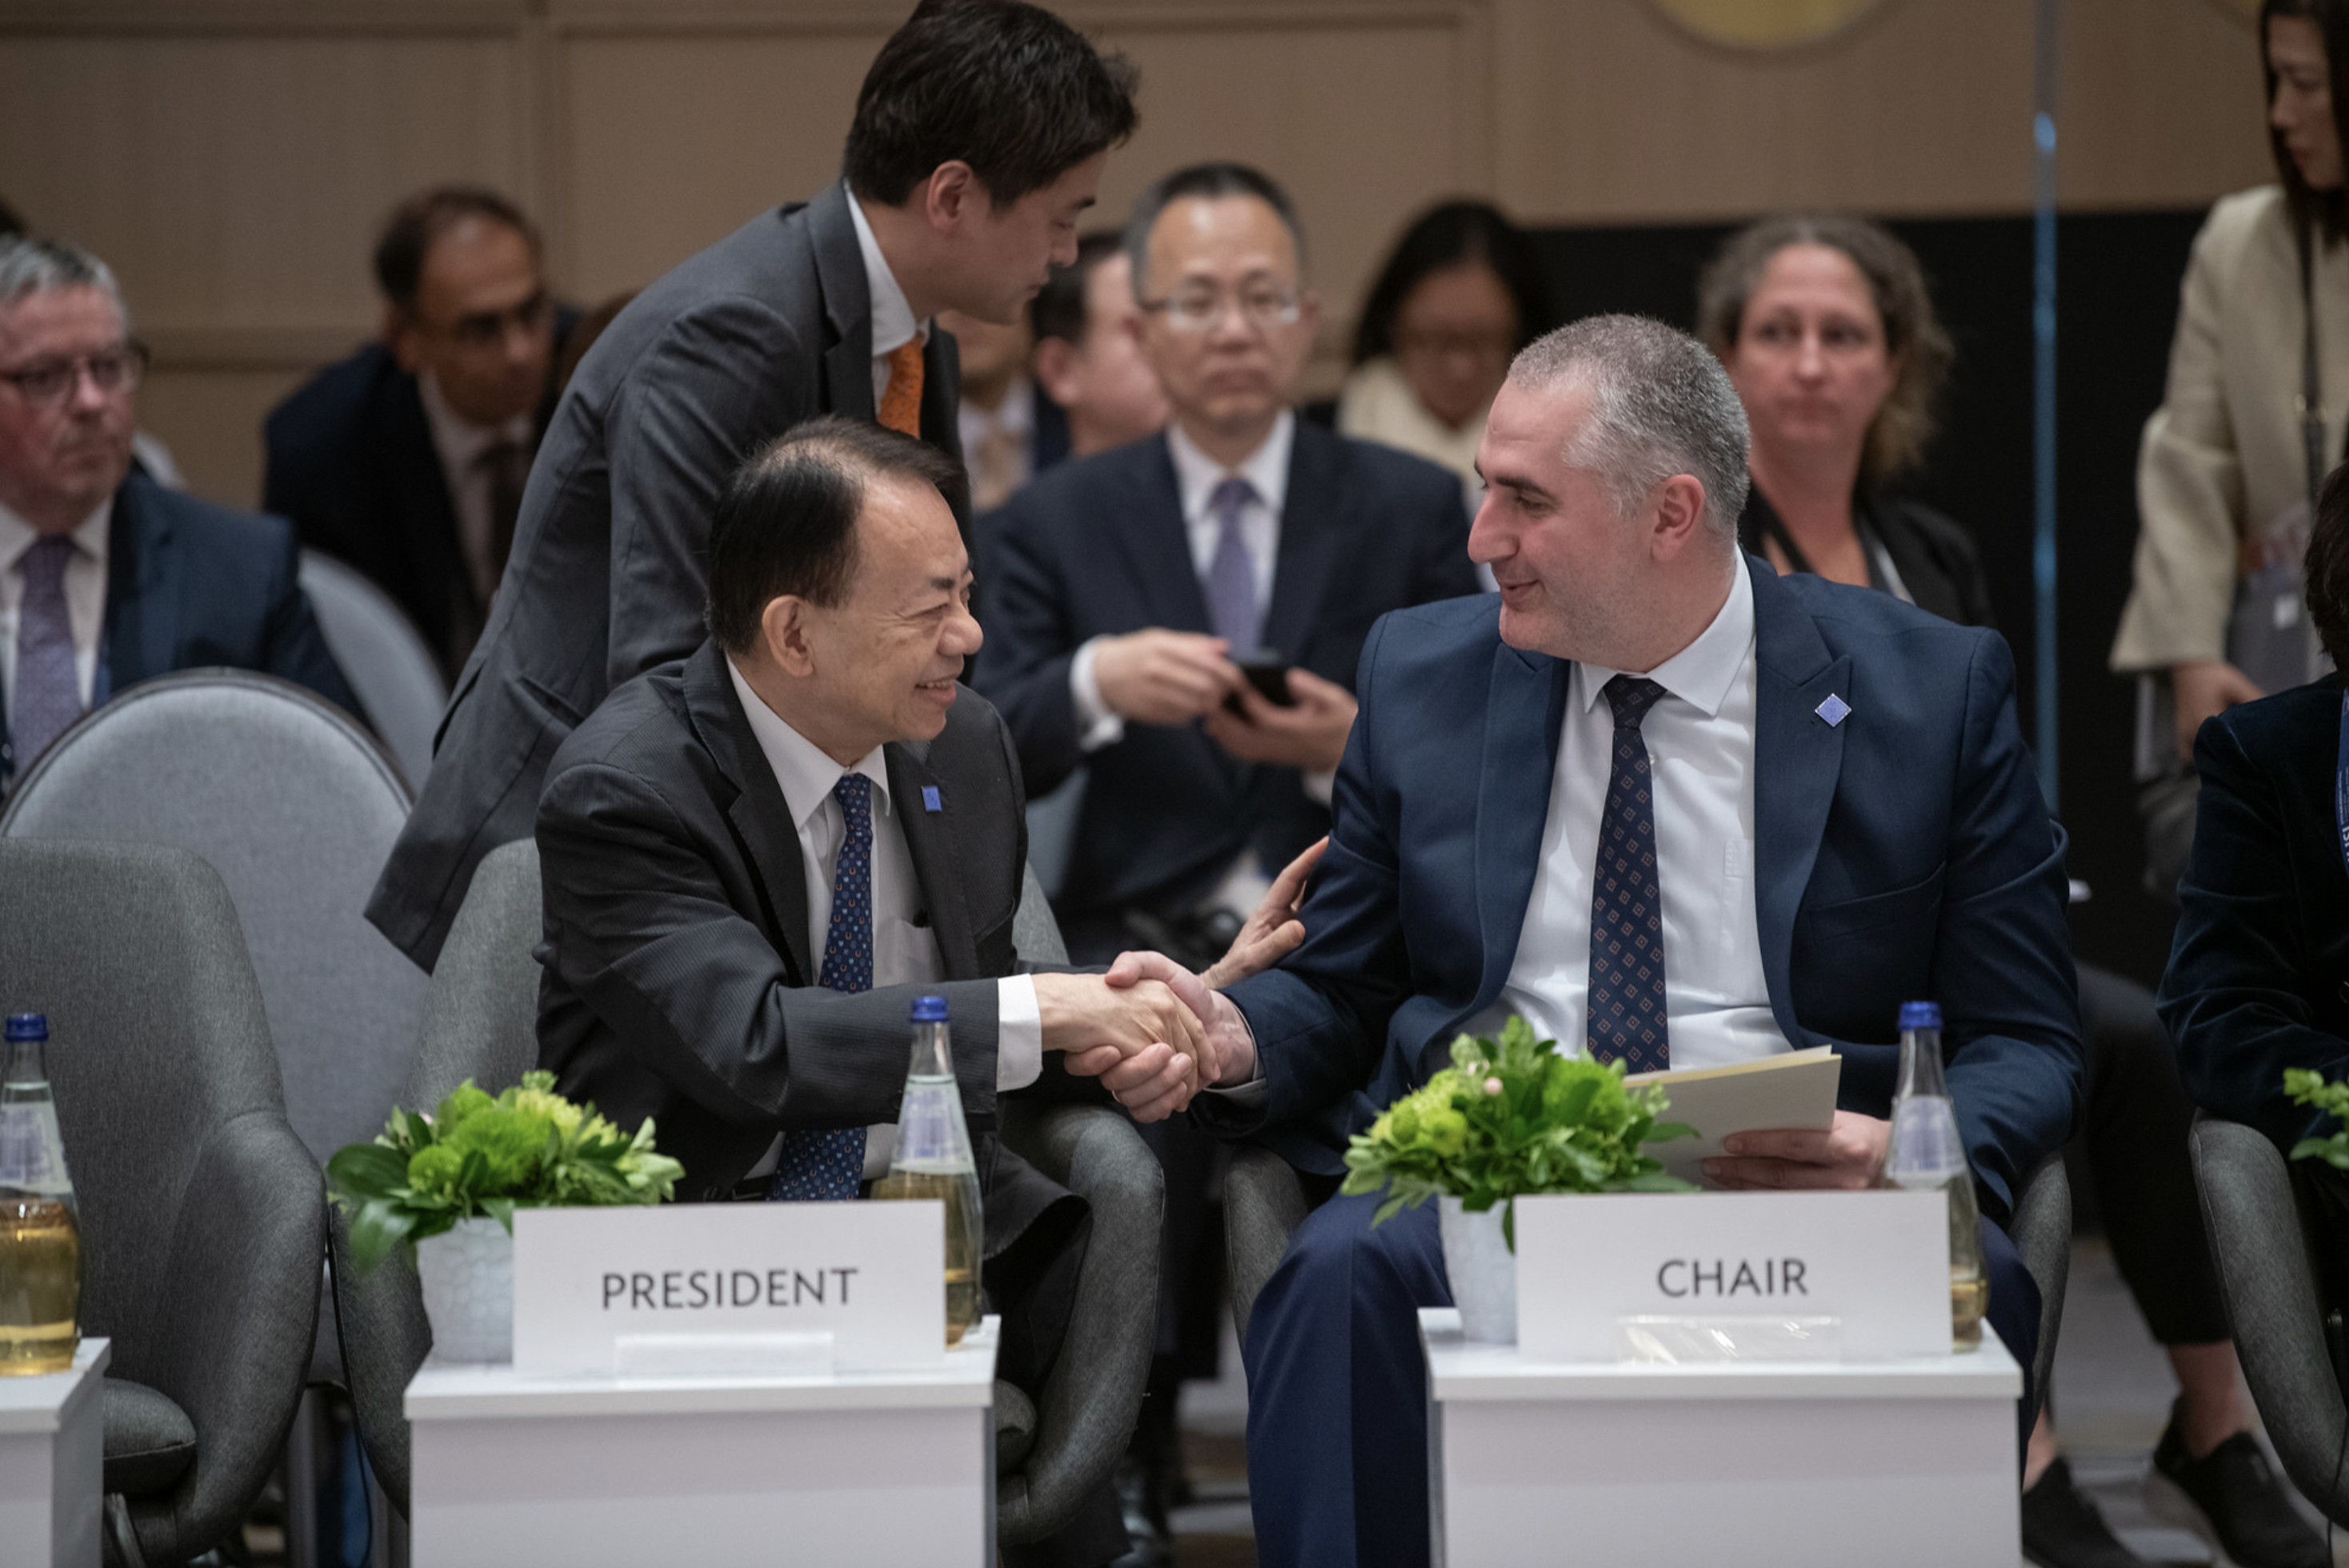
[(1181, 617)]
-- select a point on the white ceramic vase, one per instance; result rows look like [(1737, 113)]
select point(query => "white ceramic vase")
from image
[(1484, 1271), (468, 1275)]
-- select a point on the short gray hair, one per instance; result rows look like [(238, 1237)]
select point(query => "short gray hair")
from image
[(31, 266), (1661, 405)]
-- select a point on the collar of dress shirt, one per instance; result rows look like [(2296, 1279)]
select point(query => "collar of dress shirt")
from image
[(1197, 475), (18, 536), (459, 442), (892, 318), (801, 767), (1699, 673)]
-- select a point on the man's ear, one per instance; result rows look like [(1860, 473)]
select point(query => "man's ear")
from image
[(952, 195), (783, 631), (1053, 362), (401, 336), (1679, 503)]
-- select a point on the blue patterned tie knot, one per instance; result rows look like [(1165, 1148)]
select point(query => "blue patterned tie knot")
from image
[(829, 1162), (1231, 576), (1627, 1014)]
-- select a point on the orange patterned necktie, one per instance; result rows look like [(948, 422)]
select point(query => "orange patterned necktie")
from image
[(901, 405)]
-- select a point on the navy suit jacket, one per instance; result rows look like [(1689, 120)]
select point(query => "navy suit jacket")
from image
[(1904, 854), (1098, 547), (2258, 971), (189, 584)]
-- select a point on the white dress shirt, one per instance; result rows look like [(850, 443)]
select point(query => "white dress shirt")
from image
[(85, 587), (893, 318), (1700, 739), (904, 954), (460, 444)]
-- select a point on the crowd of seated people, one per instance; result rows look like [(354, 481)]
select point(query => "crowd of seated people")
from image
[(906, 492)]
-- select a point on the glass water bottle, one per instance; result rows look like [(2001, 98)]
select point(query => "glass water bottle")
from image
[(1927, 1154), (934, 1159), (40, 1234)]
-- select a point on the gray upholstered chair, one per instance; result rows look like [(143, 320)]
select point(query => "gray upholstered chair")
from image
[(1264, 1202), (391, 669), (2276, 1305), (201, 1213), (481, 1023)]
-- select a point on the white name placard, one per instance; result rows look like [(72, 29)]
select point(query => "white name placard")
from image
[(871, 1275), (1877, 1262)]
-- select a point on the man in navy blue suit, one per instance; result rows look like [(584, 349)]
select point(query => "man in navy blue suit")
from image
[(1814, 797), (106, 577)]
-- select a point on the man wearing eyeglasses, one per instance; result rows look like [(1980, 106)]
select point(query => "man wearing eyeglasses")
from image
[(1125, 590), (106, 577), (407, 460)]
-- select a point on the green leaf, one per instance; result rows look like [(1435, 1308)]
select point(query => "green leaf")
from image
[(500, 1209), (377, 1228), (366, 1169)]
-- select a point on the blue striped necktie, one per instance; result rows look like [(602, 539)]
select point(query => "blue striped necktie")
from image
[(1231, 576), (829, 1162), (49, 693), (1627, 906)]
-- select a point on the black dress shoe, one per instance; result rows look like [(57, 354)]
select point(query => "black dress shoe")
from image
[(1154, 1545), (2234, 1499), (2061, 1529)]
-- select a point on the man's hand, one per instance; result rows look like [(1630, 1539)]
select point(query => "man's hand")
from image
[(1230, 1043), (2203, 690), (1847, 1157), (1273, 929), (1158, 676), (1311, 735), (1146, 1046)]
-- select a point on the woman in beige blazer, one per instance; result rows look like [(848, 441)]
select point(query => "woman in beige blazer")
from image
[(2223, 476)]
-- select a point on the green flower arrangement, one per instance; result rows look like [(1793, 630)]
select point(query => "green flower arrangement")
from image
[(477, 1157), (1511, 1118), (2307, 1087)]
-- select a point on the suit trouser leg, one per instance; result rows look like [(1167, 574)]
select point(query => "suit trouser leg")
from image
[(1337, 1435)]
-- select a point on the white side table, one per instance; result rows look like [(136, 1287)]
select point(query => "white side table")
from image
[(52, 1463), (870, 1467), (1626, 1464)]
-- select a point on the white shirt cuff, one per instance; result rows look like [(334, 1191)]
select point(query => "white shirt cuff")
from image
[(1096, 725), (1019, 1033), (1320, 784)]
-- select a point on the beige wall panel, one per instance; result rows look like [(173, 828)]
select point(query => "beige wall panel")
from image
[(239, 180), (2159, 103), (210, 418)]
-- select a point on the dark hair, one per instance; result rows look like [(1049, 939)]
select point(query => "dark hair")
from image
[(1058, 308), (1007, 88), (1206, 183), (1912, 332), (2325, 210), (416, 222), (2326, 568), (12, 223), (787, 523), (1447, 236)]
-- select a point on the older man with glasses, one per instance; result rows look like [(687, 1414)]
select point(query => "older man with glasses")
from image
[(106, 577), (1124, 592)]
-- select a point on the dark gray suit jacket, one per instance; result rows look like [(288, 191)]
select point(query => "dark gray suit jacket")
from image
[(767, 328), (678, 983)]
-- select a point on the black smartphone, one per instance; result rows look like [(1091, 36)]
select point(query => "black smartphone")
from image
[(1268, 673)]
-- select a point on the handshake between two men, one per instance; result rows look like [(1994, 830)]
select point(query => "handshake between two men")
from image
[(1150, 1029)]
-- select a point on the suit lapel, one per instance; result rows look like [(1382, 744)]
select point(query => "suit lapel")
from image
[(1797, 758), (847, 304), (762, 819), (1157, 544), (936, 848), (1522, 713), (142, 613), (1311, 530)]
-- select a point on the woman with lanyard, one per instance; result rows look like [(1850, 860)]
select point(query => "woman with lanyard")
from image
[(1828, 334), (2250, 419)]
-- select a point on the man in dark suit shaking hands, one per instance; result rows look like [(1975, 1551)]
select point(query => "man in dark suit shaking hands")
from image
[(1814, 797), (755, 858), (979, 137)]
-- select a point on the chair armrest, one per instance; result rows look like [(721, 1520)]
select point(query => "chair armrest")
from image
[(1264, 1202), (386, 1338), (2043, 1235)]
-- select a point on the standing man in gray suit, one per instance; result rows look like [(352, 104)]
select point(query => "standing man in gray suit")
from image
[(979, 137)]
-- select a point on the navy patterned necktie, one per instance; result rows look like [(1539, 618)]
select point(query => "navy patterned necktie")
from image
[(1231, 576), (49, 693), (1627, 906), (829, 1162)]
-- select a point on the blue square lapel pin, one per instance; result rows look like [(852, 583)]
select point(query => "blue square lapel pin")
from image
[(930, 801), (1834, 710)]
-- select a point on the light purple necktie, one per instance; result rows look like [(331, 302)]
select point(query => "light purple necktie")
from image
[(49, 697), (1231, 577)]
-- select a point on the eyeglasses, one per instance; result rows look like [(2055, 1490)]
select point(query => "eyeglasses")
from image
[(46, 383), (1202, 310)]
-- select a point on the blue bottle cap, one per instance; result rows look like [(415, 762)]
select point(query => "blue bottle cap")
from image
[(929, 1009), (28, 1027), (1920, 1016)]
